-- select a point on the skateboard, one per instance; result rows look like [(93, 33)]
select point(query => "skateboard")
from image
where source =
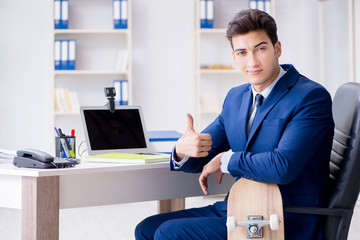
[(255, 210)]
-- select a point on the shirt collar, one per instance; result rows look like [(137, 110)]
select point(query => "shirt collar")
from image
[(268, 90)]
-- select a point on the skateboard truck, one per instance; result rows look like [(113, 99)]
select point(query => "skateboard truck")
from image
[(254, 225)]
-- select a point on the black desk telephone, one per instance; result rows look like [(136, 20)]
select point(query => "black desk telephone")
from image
[(31, 158)]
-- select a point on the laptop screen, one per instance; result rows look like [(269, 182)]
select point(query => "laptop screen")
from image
[(121, 131)]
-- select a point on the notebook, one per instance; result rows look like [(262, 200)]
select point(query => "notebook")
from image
[(118, 137)]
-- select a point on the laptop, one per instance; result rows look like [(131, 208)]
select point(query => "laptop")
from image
[(116, 137)]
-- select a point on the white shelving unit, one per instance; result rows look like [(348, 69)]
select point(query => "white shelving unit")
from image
[(339, 65), (212, 47), (97, 46)]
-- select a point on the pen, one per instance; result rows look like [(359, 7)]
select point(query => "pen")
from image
[(63, 154), (72, 137), (57, 133), (65, 144), (70, 150)]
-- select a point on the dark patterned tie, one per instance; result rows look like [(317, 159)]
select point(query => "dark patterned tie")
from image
[(258, 100)]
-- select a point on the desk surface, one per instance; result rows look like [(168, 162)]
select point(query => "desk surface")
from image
[(92, 184), (83, 168)]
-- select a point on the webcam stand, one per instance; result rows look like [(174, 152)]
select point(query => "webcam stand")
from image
[(110, 93)]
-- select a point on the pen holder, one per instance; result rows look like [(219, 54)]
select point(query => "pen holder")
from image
[(65, 147)]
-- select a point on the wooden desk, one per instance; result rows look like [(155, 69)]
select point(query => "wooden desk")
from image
[(41, 193)]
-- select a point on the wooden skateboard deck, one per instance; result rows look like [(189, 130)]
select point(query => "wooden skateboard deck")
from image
[(252, 199)]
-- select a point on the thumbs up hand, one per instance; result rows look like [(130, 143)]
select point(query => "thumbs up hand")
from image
[(193, 144)]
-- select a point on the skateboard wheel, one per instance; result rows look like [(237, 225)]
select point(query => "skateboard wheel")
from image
[(231, 224), (274, 222)]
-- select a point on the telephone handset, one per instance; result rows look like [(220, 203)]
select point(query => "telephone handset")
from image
[(35, 155), (32, 158)]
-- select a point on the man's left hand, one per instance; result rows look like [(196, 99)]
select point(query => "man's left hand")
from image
[(212, 167)]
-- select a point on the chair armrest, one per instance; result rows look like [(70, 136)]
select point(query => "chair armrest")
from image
[(339, 212)]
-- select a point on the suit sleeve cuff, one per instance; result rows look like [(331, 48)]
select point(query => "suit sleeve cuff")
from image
[(177, 164), (225, 158)]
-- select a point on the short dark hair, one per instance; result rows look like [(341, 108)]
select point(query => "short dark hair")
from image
[(251, 20)]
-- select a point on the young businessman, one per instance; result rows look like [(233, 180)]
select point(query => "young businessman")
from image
[(282, 136)]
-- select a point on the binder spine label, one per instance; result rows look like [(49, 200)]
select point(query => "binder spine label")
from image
[(57, 52), (253, 4), (116, 13), (124, 93), (57, 14), (72, 54), (261, 5), (64, 14), (64, 57), (202, 13), (124, 14), (116, 85), (210, 13), (268, 6)]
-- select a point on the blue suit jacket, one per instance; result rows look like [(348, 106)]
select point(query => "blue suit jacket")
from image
[(289, 144)]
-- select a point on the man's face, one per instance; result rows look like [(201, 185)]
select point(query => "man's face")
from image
[(257, 58)]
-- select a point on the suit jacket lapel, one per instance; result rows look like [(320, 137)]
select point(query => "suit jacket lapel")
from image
[(244, 112), (280, 90)]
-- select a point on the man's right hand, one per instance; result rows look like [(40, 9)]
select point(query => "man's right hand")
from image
[(193, 144)]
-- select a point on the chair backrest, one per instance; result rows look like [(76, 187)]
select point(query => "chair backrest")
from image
[(344, 183)]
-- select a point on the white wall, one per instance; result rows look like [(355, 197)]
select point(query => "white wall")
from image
[(297, 23), (25, 80), (162, 68), (357, 40)]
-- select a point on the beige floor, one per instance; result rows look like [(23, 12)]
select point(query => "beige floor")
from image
[(115, 222)]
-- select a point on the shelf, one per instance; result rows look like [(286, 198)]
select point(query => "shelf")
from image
[(88, 72), (91, 31), (211, 31), (219, 71), (57, 114)]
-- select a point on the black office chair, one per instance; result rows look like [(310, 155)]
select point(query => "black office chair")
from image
[(344, 183)]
